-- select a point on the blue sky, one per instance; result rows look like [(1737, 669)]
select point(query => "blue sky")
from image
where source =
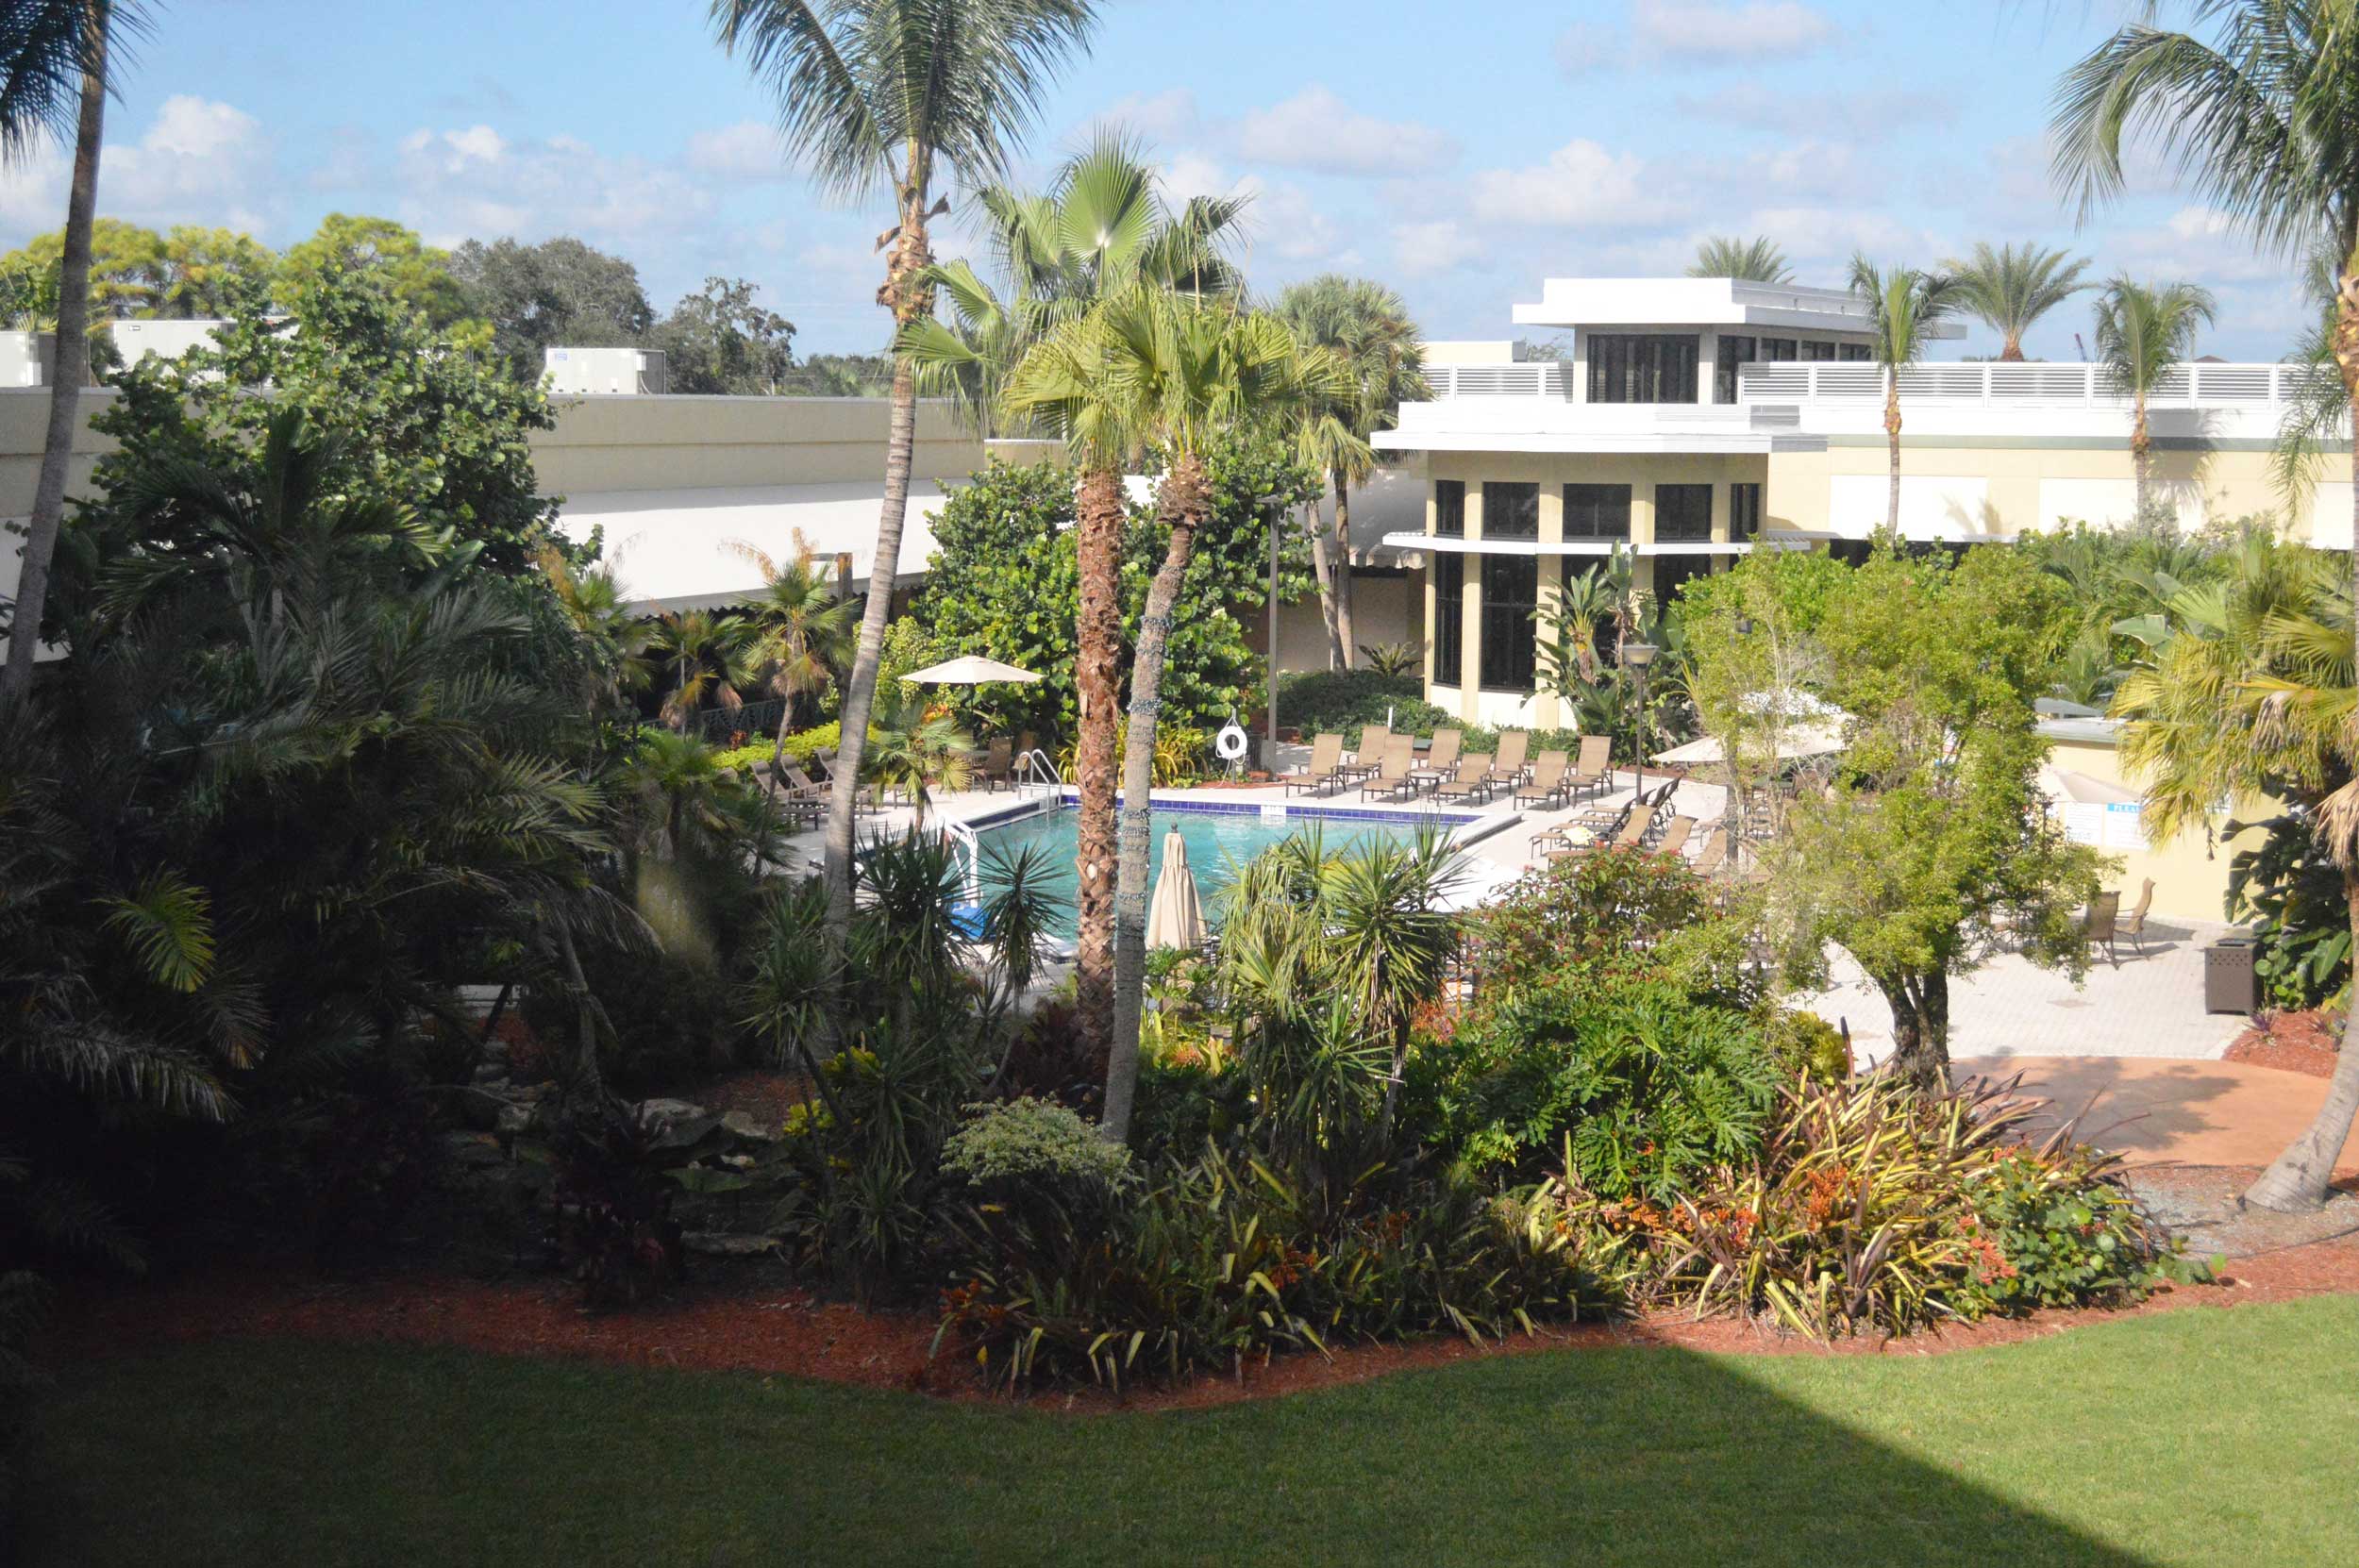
[(1461, 152)]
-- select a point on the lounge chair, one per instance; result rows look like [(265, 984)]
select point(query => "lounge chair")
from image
[(1632, 833), (1474, 781), (1674, 840), (2102, 924), (1319, 773), (1441, 758), (1369, 758), (1548, 786), (1513, 765), (1394, 777), (863, 800), (1593, 771), (2133, 925), (998, 764), (1713, 854)]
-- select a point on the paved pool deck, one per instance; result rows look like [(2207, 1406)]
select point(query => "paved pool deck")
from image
[(2165, 1113)]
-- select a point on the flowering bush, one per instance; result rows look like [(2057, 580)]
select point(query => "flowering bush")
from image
[(2049, 1232), (1037, 1141)]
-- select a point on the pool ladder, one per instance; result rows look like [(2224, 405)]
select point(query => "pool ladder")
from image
[(1035, 771)]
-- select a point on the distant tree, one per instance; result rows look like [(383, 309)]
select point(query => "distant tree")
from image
[(127, 271), (839, 375), (204, 267), (2009, 288), (414, 272), (720, 341), (549, 295), (1904, 306), (1756, 260), (2143, 333)]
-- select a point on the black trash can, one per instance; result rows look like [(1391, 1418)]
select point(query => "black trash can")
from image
[(2229, 983)]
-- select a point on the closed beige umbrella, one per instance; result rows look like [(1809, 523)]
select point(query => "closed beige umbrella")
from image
[(1177, 919)]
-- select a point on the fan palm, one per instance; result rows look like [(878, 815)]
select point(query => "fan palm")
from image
[(886, 97), (1904, 308), (616, 639), (2264, 121), (704, 656), (54, 81), (916, 752), (1755, 261), (2009, 288), (2143, 333), (1366, 327)]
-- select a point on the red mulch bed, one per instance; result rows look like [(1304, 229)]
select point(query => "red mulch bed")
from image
[(763, 1094), (734, 1322), (2306, 1043)]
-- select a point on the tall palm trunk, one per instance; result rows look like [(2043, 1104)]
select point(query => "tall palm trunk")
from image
[(1323, 564), (1097, 676), (1344, 639), (67, 370), (2012, 354), (1892, 435), (2141, 458), (909, 297), (1182, 503), (2299, 1178)]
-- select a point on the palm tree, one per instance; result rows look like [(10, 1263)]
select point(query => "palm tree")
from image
[(704, 655), (1101, 227), (1755, 261), (1904, 306), (2009, 288), (2265, 123), (878, 96), (1366, 327), (800, 632), (1170, 372), (2143, 333), (54, 80), (916, 751), (616, 639)]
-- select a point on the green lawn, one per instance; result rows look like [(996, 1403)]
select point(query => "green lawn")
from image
[(2196, 1437)]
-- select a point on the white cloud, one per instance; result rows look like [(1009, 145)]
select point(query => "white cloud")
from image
[(475, 183), (1166, 116), (1315, 129), (1189, 175), (1585, 47), (747, 150), (1582, 185), (1440, 246), (1777, 107), (1704, 30), (198, 161)]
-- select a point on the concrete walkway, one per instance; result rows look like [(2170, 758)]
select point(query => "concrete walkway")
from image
[(2169, 1112)]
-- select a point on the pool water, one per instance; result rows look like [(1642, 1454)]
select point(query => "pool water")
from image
[(1216, 841)]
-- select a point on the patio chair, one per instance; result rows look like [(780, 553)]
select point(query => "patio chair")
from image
[(2133, 925), (1674, 840), (864, 800), (1592, 772), (1512, 764), (1319, 773), (1713, 854), (2102, 922), (1394, 777), (997, 768), (1369, 758), (1474, 781), (1548, 786), (1441, 758), (1632, 833)]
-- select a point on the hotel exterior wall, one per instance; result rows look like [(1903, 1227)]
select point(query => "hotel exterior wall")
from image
[(1460, 691), (2190, 872), (631, 443), (2233, 481)]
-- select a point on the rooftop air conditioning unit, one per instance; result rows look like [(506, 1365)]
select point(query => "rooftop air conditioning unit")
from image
[(613, 370), (170, 339)]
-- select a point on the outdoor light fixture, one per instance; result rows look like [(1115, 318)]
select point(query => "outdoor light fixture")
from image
[(1635, 657), (1275, 508)]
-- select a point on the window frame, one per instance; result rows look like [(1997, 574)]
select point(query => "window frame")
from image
[(1449, 506), (1449, 617), (1496, 492), (1587, 508), (1688, 491), (1516, 619)]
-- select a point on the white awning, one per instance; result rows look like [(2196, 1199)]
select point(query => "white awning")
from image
[(676, 549)]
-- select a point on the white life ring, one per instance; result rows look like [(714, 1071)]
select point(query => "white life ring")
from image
[(1232, 743)]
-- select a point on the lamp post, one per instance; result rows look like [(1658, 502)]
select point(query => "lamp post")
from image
[(1635, 657), (1274, 506)]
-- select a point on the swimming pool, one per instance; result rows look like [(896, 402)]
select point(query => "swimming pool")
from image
[(1217, 834)]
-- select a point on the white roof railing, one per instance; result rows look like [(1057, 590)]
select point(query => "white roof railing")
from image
[(1998, 385), (1539, 378)]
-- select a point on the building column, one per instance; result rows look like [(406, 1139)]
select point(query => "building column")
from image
[(1470, 639)]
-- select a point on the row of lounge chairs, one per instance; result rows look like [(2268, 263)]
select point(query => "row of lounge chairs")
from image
[(1387, 767)]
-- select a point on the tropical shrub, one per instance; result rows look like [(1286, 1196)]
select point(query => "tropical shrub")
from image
[(2289, 894), (801, 747), (1315, 700), (2062, 1235), (1621, 911), (1029, 1141)]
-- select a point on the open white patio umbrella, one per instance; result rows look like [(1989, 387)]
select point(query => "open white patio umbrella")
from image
[(1800, 741), (970, 670), (1177, 919)]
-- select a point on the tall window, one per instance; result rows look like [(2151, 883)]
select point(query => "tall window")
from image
[(1596, 512), (1781, 350), (1732, 352), (1817, 348), (1642, 367), (1671, 572), (1510, 511), (1683, 513), (1853, 352), (1449, 508), (1449, 614), (1510, 595), (1745, 511)]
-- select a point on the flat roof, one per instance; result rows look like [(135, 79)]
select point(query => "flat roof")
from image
[(1696, 302)]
